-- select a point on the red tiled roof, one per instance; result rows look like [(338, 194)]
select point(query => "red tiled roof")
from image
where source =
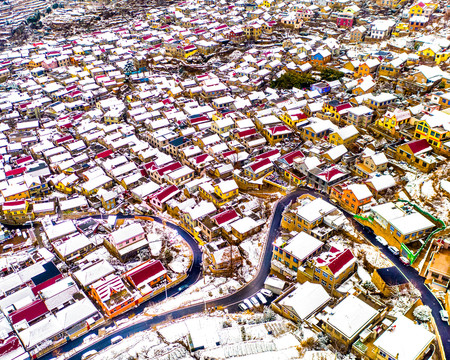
[(165, 193), (169, 168), (199, 120), (9, 345), (228, 153), (24, 159), (14, 203), (418, 145), (330, 174), (226, 216), (340, 261), (64, 139), (243, 134), (104, 154), (30, 312), (258, 165), (15, 172), (343, 107), (290, 157), (45, 284), (278, 129), (201, 158), (268, 154), (145, 271)]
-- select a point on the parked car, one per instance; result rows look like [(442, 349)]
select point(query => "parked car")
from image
[(261, 298), (381, 240), (267, 293), (404, 260), (393, 250), (242, 306), (88, 354), (248, 303), (116, 339), (444, 315), (254, 301)]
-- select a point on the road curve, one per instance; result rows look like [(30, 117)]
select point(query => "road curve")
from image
[(258, 282)]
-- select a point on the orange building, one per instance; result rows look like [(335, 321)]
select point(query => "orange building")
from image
[(351, 197), (112, 296)]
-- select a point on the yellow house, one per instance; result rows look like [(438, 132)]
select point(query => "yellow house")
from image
[(17, 210), (442, 56), (392, 120), (343, 136), (293, 117), (225, 191), (432, 131), (16, 192)]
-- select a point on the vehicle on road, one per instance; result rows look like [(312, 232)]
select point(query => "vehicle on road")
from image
[(261, 298), (404, 260), (393, 250), (88, 354), (89, 338), (267, 293), (181, 288), (242, 306), (116, 339), (444, 315), (254, 301), (248, 303), (381, 240)]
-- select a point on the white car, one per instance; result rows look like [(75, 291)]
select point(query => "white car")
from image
[(88, 354), (242, 306), (248, 303), (254, 301), (261, 298), (267, 293), (381, 240), (393, 250), (444, 315), (116, 339)]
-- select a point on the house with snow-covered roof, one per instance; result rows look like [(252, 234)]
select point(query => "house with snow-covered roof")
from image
[(352, 197), (323, 179), (111, 295)]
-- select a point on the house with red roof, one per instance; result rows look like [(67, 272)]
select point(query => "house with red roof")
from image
[(30, 313), (276, 134), (324, 179), (147, 278), (159, 199), (213, 226), (330, 268), (417, 153), (258, 169)]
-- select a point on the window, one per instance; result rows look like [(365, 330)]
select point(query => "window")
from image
[(317, 270), (295, 261), (288, 256), (324, 283), (325, 275)]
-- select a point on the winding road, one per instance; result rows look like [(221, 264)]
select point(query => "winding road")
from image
[(231, 301)]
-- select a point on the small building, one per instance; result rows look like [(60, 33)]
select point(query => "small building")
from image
[(388, 279), (147, 277), (245, 228), (351, 197), (403, 340), (344, 136)]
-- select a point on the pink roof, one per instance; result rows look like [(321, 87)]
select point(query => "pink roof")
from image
[(9, 345), (24, 159), (331, 173)]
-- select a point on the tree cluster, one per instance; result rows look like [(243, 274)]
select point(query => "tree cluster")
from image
[(292, 79)]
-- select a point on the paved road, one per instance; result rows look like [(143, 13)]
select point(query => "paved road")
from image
[(257, 283)]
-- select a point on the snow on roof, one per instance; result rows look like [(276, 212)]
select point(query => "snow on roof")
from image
[(302, 245), (76, 202), (144, 190), (41, 331), (315, 210), (379, 158), (62, 229), (72, 245), (126, 233), (306, 299), (245, 225), (202, 209), (404, 340), (76, 313), (336, 152), (351, 315), (411, 223), (227, 186), (93, 272), (382, 182), (347, 132), (361, 191)]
